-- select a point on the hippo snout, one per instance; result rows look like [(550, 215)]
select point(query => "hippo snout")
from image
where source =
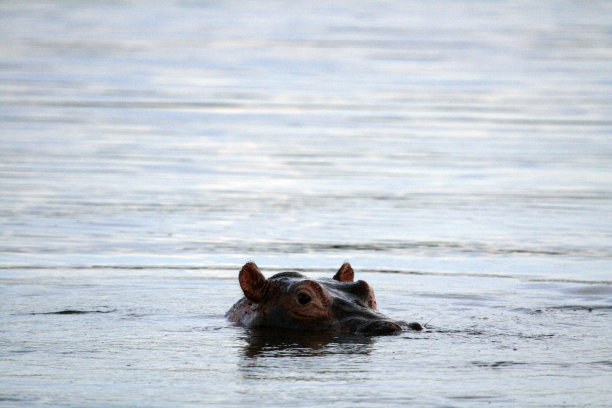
[(380, 327)]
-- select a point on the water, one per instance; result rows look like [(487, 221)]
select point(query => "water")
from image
[(457, 154)]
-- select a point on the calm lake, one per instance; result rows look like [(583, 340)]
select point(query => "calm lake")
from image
[(458, 154)]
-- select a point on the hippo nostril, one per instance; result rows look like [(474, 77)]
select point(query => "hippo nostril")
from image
[(380, 328)]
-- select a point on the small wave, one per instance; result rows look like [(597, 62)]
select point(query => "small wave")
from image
[(469, 331), (272, 268), (607, 363), (409, 247), (476, 298), (474, 397), (534, 336), (527, 310), (14, 398), (496, 364), (74, 312), (575, 308)]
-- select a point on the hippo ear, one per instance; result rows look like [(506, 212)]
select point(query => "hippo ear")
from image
[(345, 273), (252, 282)]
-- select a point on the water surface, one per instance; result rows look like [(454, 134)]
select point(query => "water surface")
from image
[(457, 154)]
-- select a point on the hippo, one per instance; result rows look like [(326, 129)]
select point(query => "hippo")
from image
[(289, 300)]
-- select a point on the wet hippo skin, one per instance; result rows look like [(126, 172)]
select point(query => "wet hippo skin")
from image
[(292, 301)]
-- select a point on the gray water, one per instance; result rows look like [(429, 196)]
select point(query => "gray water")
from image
[(457, 154)]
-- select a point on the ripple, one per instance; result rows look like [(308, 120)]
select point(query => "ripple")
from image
[(497, 364), (584, 308), (75, 312)]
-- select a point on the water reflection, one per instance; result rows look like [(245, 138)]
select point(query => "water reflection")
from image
[(274, 343), (275, 355)]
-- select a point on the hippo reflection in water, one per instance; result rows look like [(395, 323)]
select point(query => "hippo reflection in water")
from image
[(292, 301)]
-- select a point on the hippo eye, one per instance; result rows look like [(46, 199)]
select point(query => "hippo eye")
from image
[(303, 298)]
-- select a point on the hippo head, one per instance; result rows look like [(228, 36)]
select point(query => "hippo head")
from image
[(291, 300)]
